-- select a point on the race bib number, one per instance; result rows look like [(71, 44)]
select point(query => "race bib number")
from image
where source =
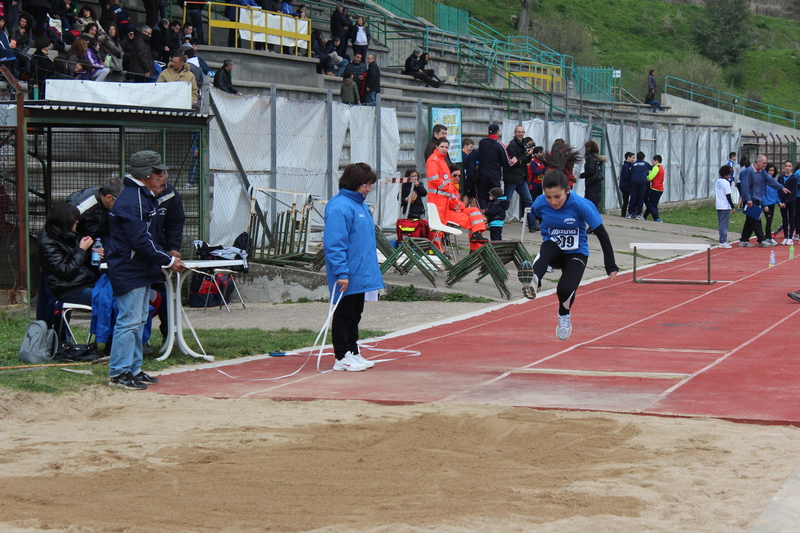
[(566, 239)]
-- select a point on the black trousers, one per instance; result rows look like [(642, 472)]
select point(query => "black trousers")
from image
[(344, 326), (496, 233), (421, 76), (626, 196), (751, 225), (572, 267), (768, 216), (788, 220)]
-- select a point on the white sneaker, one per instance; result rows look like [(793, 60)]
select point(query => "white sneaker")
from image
[(366, 362), (564, 328), (788, 242), (725, 245), (774, 242), (349, 363)]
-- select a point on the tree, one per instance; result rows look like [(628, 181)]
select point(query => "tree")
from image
[(722, 30), (524, 20)]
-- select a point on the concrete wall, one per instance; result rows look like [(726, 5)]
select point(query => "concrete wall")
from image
[(713, 116)]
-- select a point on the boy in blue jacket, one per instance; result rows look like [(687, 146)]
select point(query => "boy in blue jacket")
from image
[(496, 213)]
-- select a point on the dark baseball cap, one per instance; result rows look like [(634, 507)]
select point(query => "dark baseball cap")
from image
[(143, 162), (494, 128)]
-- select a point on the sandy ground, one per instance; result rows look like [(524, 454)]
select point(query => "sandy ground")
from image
[(114, 461)]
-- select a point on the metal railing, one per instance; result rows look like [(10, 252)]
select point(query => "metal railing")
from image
[(731, 102), (546, 78), (594, 83)]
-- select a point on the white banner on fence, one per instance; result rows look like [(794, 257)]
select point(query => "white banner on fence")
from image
[(174, 95)]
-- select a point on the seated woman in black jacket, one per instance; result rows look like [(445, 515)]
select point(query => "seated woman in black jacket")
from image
[(64, 259)]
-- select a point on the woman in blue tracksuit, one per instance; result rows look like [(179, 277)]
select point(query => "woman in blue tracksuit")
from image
[(769, 203), (351, 262)]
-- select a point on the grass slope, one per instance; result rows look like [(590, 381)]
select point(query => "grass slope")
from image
[(637, 35)]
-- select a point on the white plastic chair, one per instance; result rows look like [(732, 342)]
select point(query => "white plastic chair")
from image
[(66, 313), (435, 224)]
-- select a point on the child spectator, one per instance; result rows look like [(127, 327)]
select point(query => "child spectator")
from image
[(789, 180), (349, 90), (724, 204), (625, 182), (656, 179), (496, 213), (99, 70)]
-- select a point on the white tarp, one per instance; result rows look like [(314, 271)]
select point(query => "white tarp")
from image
[(173, 95)]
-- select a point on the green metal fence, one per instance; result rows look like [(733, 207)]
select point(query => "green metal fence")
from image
[(731, 102), (452, 20), (594, 83)]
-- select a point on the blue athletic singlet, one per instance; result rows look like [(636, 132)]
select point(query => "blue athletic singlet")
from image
[(567, 226)]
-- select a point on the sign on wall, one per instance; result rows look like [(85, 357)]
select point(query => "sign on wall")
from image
[(449, 116)]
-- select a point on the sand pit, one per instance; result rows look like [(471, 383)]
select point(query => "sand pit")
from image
[(109, 460)]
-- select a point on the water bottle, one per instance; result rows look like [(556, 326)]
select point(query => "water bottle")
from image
[(772, 258), (95, 252), (791, 252)]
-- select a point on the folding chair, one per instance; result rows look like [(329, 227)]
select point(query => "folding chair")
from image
[(231, 279), (436, 224), (66, 313)]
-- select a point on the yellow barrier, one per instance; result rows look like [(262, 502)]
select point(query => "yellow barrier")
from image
[(544, 77), (262, 26)]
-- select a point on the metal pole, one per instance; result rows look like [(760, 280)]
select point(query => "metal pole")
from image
[(706, 181), (669, 181), (378, 162), (23, 276), (638, 133), (684, 170), (546, 144), (273, 147), (329, 155), (566, 122), (697, 166), (420, 139)]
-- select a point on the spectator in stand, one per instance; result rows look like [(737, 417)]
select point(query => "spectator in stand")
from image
[(424, 59), (63, 256), (111, 49), (625, 182), (194, 67), (43, 67), (357, 69), (67, 12), (223, 80), (186, 33), (652, 87), (99, 70), (158, 39), (178, 70), (339, 63), (120, 16), (20, 40), (194, 16), (515, 177), (39, 10), (7, 55), (150, 12), (173, 40), (360, 37), (439, 132), (301, 12), (126, 43), (318, 51), (286, 7), (86, 16), (349, 90), (340, 29), (55, 32), (373, 85), (90, 31), (197, 59), (142, 67), (413, 192), (492, 158), (413, 69)]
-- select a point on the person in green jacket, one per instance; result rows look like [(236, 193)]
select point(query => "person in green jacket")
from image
[(349, 90)]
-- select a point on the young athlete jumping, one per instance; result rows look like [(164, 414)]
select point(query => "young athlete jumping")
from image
[(564, 217)]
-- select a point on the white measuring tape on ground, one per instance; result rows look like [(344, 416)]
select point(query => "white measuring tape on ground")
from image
[(321, 336)]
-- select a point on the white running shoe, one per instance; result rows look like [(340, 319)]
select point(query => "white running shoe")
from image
[(788, 242), (366, 362), (774, 242), (349, 363), (564, 328), (725, 245)]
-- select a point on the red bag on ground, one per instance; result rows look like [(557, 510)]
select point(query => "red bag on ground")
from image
[(407, 227)]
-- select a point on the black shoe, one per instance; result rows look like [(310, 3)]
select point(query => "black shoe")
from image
[(147, 349), (794, 296), (126, 381), (141, 377)]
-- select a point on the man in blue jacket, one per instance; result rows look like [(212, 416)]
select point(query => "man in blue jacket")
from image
[(639, 171), (135, 261), (754, 179)]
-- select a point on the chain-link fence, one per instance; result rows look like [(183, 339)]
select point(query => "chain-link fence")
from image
[(9, 214)]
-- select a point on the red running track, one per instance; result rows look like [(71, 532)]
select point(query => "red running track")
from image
[(726, 350)]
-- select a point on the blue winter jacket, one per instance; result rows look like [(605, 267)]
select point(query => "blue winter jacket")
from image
[(132, 252), (753, 184), (770, 197), (639, 171), (625, 175), (349, 243), (171, 219)]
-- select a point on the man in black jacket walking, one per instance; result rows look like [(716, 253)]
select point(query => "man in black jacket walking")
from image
[(515, 177), (373, 80), (492, 158)]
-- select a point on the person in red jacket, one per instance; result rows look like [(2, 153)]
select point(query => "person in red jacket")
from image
[(443, 194), (656, 179)]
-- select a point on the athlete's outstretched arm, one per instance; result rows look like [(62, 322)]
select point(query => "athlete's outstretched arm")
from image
[(608, 251)]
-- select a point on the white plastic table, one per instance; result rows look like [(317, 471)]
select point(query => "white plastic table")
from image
[(174, 283)]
